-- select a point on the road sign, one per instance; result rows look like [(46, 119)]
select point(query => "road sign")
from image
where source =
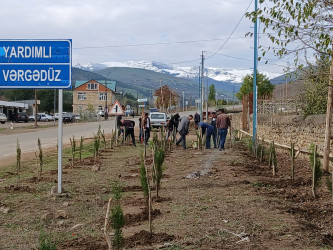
[(141, 106), (116, 109), (143, 100), (31, 64)]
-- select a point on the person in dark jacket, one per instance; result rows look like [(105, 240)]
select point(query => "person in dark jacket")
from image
[(129, 129), (196, 120), (213, 123), (176, 120), (146, 127), (208, 130), (183, 129), (119, 125)]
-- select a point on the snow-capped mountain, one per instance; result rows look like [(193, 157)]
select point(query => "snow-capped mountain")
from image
[(218, 74)]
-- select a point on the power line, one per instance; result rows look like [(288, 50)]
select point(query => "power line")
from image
[(154, 44), (231, 32)]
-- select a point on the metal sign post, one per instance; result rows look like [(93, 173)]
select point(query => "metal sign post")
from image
[(38, 64), (60, 108)]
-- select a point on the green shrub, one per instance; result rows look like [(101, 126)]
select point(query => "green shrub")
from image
[(46, 242)]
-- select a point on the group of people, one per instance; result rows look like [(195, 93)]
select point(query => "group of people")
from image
[(216, 128), (126, 127)]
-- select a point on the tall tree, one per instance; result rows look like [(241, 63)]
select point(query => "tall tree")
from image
[(164, 96), (265, 88), (212, 94), (301, 27), (295, 26), (313, 97)]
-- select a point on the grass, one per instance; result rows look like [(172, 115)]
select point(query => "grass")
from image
[(88, 190)]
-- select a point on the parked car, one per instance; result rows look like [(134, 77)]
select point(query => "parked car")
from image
[(77, 117), (32, 117), (68, 117), (100, 113), (3, 118), (128, 112), (21, 117), (56, 115), (45, 118), (158, 119), (152, 110)]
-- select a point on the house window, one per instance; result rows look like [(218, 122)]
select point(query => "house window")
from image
[(92, 85), (81, 96), (102, 96)]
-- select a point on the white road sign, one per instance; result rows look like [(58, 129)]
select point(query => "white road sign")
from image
[(116, 109)]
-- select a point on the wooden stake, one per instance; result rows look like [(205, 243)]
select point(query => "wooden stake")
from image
[(314, 172), (292, 160), (106, 223)]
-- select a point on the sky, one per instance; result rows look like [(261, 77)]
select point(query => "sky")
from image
[(169, 31)]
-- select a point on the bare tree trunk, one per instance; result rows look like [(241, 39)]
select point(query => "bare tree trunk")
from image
[(327, 145)]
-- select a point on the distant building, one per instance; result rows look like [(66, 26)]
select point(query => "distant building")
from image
[(93, 95), (12, 108)]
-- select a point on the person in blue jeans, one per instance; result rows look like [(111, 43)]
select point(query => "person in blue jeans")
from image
[(222, 124), (208, 129)]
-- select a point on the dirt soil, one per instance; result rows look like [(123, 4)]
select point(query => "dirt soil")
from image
[(238, 204)]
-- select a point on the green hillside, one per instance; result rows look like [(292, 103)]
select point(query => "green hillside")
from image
[(144, 81)]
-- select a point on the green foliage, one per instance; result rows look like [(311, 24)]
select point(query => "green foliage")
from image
[(73, 149), (81, 147), (313, 99), (46, 241), (317, 164), (265, 88), (117, 222), (116, 190), (18, 156), (104, 140), (143, 179), (307, 24), (96, 145), (159, 156), (18, 161), (212, 95)]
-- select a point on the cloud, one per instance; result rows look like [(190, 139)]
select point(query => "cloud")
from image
[(121, 22)]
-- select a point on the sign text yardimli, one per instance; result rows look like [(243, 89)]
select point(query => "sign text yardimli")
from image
[(35, 63)]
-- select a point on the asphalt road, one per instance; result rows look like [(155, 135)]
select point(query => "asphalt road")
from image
[(49, 137)]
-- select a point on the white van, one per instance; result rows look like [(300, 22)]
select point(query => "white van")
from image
[(158, 119)]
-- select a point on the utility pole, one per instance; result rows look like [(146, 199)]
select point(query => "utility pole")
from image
[(206, 100), (202, 85), (328, 132), (170, 104), (199, 88), (162, 95), (36, 108), (233, 97), (106, 103), (183, 102), (254, 134), (137, 103)]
